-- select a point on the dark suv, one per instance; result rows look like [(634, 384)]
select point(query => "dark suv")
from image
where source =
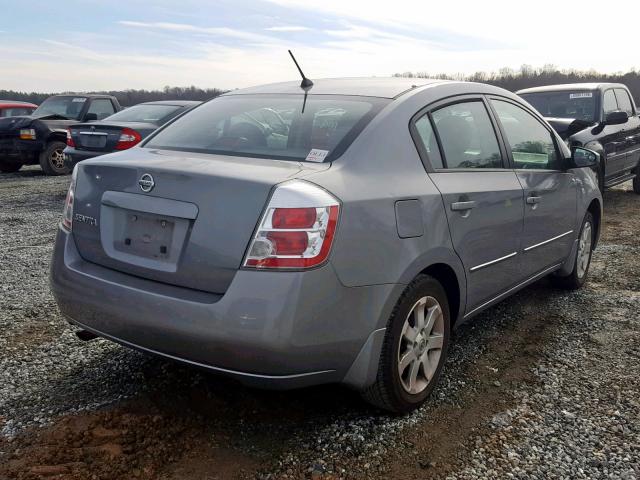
[(42, 136), (598, 116)]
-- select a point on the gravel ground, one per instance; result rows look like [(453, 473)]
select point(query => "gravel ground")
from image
[(544, 385)]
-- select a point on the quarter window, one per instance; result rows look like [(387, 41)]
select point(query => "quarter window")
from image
[(467, 136), (429, 142), (609, 103), (532, 145), (624, 103)]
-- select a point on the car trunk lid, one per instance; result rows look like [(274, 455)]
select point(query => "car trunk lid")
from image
[(178, 218), (104, 137)]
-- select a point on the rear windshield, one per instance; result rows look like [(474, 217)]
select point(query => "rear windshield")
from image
[(271, 126), (578, 104), (157, 114)]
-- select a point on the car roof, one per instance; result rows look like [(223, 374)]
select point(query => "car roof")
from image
[(570, 86), (385, 87), (16, 103), (177, 103)]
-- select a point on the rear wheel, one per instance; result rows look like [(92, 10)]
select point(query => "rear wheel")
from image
[(9, 167), (636, 181), (414, 348), (52, 159), (577, 278)]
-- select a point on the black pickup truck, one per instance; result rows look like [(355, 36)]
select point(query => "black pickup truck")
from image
[(599, 116), (41, 137)]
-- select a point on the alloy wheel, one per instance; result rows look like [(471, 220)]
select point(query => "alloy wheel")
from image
[(584, 250), (421, 345)]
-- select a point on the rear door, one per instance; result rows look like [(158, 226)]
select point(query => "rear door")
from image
[(613, 139), (482, 197), (631, 129), (550, 192)]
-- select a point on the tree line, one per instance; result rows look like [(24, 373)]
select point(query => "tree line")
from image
[(528, 76), (127, 97), (510, 79)]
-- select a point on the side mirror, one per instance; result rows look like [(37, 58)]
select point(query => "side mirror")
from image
[(581, 158), (617, 117), (91, 117)]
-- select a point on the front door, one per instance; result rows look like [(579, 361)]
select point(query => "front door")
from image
[(631, 129), (613, 139), (483, 199), (550, 192)]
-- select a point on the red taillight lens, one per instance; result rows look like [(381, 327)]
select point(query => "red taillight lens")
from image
[(293, 217), (128, 138), (289, 243), (299, 236), (67, 213), (70, 142)]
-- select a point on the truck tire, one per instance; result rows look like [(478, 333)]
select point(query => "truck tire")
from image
[(9, 167), (52, 159), (414, 348)]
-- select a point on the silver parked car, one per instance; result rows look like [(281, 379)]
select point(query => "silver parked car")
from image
[(291, 237)]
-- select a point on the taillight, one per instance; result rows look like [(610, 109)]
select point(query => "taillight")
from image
[(128, 138), (67, 213), (297, 229), (70, 142)]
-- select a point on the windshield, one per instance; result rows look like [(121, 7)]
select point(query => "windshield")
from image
[(271, 126), (157, 114), (580, 105), (67, 107)]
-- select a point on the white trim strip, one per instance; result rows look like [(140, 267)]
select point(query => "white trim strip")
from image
[(548, 241), (478, 267), (503, 294)]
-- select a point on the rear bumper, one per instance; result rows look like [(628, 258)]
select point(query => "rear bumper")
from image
[(73, 156), (270, 329)]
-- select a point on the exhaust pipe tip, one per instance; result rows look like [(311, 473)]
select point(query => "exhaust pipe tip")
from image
[(85, 335)]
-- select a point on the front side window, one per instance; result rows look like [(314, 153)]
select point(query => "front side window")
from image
[(575, 104), (624, 102), (532, 145), (102, 107), (467, 136), (609, 103), (278, 126), (66, 107)]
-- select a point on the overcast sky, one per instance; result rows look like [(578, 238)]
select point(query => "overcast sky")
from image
[(83, 45)]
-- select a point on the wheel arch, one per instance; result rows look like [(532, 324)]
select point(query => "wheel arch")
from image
[(595, 208), (448, 278), (57, 136)]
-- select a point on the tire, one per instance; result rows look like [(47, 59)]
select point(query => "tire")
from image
[(577, 278), (636, 181), (52, 160), (393, 389), (9, 167)]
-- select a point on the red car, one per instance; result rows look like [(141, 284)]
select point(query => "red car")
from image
[(12, 108)]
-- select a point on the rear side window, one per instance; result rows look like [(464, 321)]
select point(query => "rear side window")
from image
[(467, 136), (624, 102), (287, 127), (609, 103), (429, 141), (532, 145)]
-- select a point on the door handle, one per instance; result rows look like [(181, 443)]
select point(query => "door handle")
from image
[(532, 199), (462, 206)]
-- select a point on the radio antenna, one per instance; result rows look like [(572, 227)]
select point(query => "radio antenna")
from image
[(306, 83)]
